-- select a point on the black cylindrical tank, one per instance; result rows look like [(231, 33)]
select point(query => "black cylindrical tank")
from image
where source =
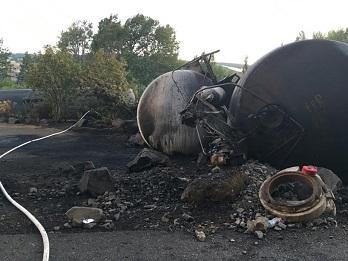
[(308, 81), (159, 110)]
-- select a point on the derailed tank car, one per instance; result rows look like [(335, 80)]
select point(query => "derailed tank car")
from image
[(294, 105)]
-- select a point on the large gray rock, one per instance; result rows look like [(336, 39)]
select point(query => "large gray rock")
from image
[(146, 159), (83, 166), (330, 179), (216, 187), (96, 181), (78, 214)]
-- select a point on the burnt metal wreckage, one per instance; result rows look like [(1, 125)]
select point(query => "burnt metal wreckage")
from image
[(288, 109)]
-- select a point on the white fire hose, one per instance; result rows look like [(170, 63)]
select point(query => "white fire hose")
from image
[(46, 251)]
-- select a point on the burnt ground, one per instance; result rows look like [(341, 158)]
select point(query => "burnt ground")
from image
[(142, 199)]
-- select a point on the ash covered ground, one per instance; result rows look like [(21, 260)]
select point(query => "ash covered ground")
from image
[(40, 178)]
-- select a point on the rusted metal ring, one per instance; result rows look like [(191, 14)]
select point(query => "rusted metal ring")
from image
[(293, 211)]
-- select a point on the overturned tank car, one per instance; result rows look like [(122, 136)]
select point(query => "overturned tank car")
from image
[(293, 105), (159, 110)]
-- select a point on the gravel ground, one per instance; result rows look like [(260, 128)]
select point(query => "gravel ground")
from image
[(151, 213)]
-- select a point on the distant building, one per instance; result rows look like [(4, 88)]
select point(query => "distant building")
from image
[(14, 71)]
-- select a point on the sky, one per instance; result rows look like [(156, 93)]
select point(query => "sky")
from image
[(237, 28)]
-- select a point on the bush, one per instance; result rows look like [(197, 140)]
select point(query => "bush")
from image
[(55, 74), (5, 108), (104, 85)]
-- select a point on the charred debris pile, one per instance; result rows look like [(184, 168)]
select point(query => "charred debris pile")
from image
[(284, 111)]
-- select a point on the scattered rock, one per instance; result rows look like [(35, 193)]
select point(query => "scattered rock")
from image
[(216, 169), (117, 216), (330, 179), (146, 159), (215, 188), (33, 190), (77, 214), (187, 217), (281, 225), (259, 224), (67, 225), (240, 210), (56, 228), (276, 228), (200, 235), (259, 234), (108, 225), (165, 218), (96, 181), (83, 166)]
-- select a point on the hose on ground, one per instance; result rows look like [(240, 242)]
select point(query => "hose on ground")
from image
[(41, 229)]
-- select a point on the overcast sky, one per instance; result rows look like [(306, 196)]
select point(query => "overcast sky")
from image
[(237, 28)]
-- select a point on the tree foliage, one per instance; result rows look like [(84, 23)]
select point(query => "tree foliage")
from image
[(27, 60), (336, 35), (148, 48), (318, 35), (110, 36), (103, 83), (5, 65), (55, 74), (301, 36), (221, 71), (77, 38)]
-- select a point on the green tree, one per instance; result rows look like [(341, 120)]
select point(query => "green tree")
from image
[(28, 59), (110, 36), (301, 36), (55, 74), (77, 38), (319, 35), (103, 84), (5, 65), (221, 71), (338, 35), (148, 48)]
